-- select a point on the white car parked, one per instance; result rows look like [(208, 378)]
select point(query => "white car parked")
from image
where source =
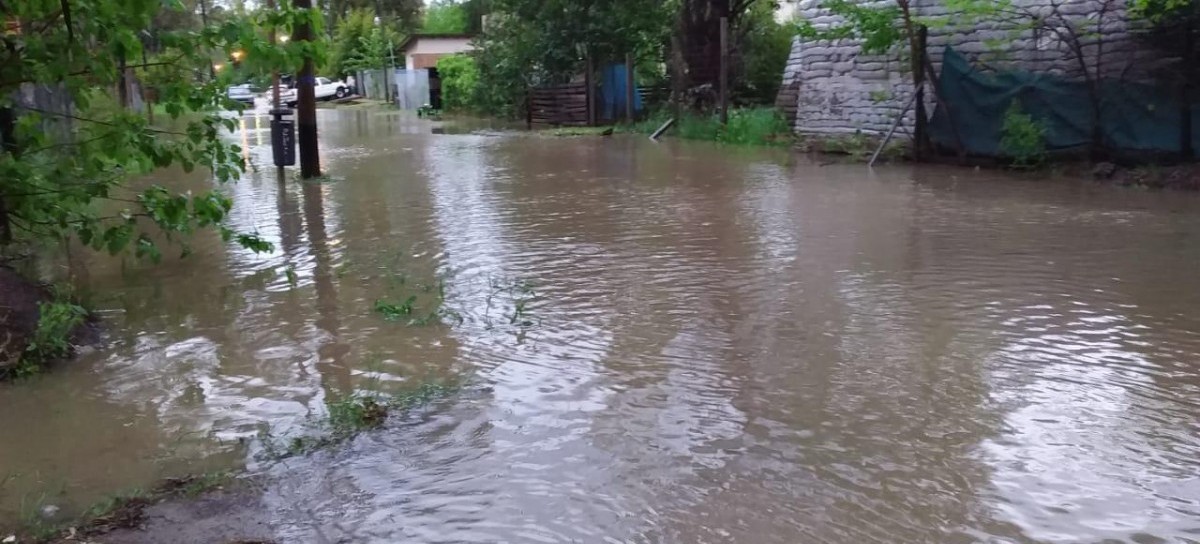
[(242, 93), (325, 89)]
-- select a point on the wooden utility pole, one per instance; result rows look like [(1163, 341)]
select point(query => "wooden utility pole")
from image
[(724, 70), (306, 103), (8, 144), (629, 88)]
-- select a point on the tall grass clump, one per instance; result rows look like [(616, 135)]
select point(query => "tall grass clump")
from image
[(755, 126), (747, 126)]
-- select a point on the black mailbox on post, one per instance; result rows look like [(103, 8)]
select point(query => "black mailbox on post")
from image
[(283, 136)]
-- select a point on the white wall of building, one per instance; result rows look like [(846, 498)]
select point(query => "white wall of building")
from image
[(436, 46)]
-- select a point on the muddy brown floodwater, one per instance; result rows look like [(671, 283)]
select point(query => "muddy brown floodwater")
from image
[(722, 345)]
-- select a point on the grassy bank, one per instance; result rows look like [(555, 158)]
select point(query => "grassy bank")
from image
[(124, 510), (747, 126)]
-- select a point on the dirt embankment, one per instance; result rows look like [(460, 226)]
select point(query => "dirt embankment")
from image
[(19, 300), (19, 314), (183, 511)]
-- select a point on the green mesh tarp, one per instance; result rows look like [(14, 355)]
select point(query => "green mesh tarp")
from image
[(1134, 117)]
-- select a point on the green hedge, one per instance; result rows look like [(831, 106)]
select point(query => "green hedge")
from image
[(460, 81)]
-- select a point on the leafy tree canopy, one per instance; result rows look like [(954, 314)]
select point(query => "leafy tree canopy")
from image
[(444, 17), (360, 43), (65, 167), (403, 15)]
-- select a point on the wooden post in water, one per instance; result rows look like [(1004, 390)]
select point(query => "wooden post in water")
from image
[(528, 108), (629, 88), (724, 70), (590, 94), (920, 124)]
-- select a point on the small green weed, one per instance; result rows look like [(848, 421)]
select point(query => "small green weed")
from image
[(1022, 138), (519, 293), (433, 312), (354, 413), (392, 311), (195, 484), (112, 503), (520, 312)]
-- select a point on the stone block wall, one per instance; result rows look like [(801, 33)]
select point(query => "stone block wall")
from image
[(831, 87)]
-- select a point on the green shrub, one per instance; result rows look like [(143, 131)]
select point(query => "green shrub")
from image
[(460, 82), (1022, 138)]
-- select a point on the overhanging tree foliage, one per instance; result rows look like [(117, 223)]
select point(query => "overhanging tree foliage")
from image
[(1173, 27), (65, 165)]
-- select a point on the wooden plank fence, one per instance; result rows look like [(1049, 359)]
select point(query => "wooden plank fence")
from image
[(559, 105)]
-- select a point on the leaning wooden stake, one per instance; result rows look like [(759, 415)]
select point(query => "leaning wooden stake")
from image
[(662, 129), (896, 125)]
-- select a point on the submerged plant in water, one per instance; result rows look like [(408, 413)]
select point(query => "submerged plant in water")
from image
[(349, 415), (432, 312), (393, 311)]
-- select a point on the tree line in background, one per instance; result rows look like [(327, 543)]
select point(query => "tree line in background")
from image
[(675, 43)]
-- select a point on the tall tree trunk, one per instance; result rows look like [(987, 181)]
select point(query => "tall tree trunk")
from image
[(700, 39), (212, 70), (677, 65), (8, 121), (306, 103), (917, 41), (122, 81)]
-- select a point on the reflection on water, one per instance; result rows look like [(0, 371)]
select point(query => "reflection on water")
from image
[(727, 346)]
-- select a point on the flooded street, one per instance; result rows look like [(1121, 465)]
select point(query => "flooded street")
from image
[(672, 342)]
